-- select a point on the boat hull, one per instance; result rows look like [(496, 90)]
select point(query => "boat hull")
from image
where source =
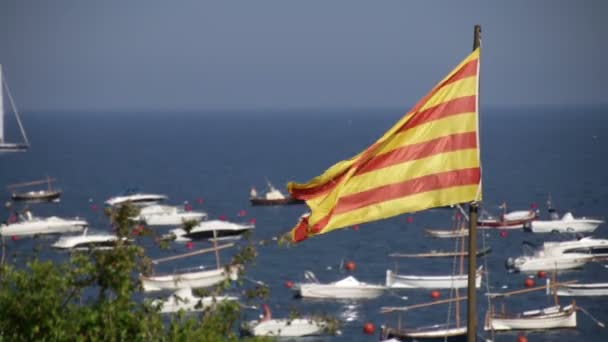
[(171, 220), (284, 328), (394, 280), (36, 196), (329, 291), (198, 279), (597, 289), (562, 319), (51, 225), (279, 201), (563, 262), (572, 226), (432, 333)]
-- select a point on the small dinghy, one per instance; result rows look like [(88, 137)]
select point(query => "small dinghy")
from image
[(184, 299), (284, 327), (548, 318), (347, 288)]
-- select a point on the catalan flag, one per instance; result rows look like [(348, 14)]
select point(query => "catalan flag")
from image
[(429, 158)]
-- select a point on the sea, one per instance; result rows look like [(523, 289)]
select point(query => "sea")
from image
[(211, 159)]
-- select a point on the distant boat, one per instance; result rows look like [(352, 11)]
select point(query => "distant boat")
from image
[(211, 229), (272, 197), (194, 278), (458, 281), (347, 288), (283, 327), (591, 289), (4, 145), (43, 195), (30, 225), (166, 215), (87, 241), (508, 220), (137, 198), (567, 224)]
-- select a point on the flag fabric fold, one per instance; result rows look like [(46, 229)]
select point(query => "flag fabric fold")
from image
[(429, 158)]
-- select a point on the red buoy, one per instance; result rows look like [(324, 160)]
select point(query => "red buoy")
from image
[(222, 218), (541, 274), (350, 266), (242, 213), (369, 328), (435, 294), (93, 207), (189, 245), (252, 221), (356, 227), (522, 338), (529, 282), (503, 233), (410, 219), (288, 284), (13, 238), (199, 200)]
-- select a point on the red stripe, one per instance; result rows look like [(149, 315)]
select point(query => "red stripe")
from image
[(464, 104), (444, 144), (414, 186), (300, 231), (467, 70), (308, 193)]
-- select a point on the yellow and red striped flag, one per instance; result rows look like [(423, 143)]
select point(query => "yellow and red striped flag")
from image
[(430, 158)]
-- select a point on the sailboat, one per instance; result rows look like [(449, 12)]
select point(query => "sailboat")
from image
[(43, 195), (4, 145)]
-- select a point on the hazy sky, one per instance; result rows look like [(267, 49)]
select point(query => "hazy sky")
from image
[(191, 55)]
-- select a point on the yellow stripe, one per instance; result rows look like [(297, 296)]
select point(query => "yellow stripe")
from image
[(443, 162), (461, 123), (464, 87), (409, 204)]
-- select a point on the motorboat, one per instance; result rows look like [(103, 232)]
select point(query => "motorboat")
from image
[(212, 229), (437, 332), (560, 255), (31, 225), (166, 215), (272, 197), (136, 198), (87, 241), (347, 288), (193, 278), (184, 300), (512, 220), (394, 280), (567, 224), (548, 318), (539, 262)]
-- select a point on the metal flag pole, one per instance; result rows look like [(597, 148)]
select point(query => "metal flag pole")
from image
[(473, 207)]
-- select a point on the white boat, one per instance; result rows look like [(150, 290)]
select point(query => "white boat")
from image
[(272, 197), (438, 332), (86, 241), (394, 280), (211, 229), (588, 245), (593, 289), (549, 318), (347, 288), (197, 278), (166, 215), (547, 263), (443, 234), (183, 299), (4, 145), (31, 225), (512, 220), (567, 224), (136, 198), (284, 327)]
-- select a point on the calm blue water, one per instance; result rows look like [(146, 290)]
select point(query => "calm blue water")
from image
[(526, 153)]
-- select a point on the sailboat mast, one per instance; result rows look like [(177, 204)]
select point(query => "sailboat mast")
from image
[(473, 207), (1, 107)]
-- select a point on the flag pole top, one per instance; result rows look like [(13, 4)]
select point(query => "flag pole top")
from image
[(477, 37)]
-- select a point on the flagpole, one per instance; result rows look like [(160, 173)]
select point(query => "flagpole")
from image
[(471, 300)]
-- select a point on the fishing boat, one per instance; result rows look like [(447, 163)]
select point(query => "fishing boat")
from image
[(549, 318), (583, 290), (87, 241), (135, 197), (167, 215), (394, 280), (511, 220), (212, 229), (42, 195), (272, 197), (197, 277), (282, 327), (6, 146), (347, 288), (184, 300), (567, 224), (438, 332), (32, 225)]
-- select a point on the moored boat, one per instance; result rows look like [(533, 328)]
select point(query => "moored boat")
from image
[(86, 241), (591, 289), (567, 224), (272, 197), (437, 332), (31, 225), (192, 278), (512, 220), (136, 198), (211, 229), (548, 318), (394, 280), (166, 215), (347, 288)]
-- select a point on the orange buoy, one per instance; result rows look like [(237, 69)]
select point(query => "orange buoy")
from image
[(522, 338), (369, 328), (541, 274), (529, 282), (288, 284), (435, 294), (503, 233), (350, 266)]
